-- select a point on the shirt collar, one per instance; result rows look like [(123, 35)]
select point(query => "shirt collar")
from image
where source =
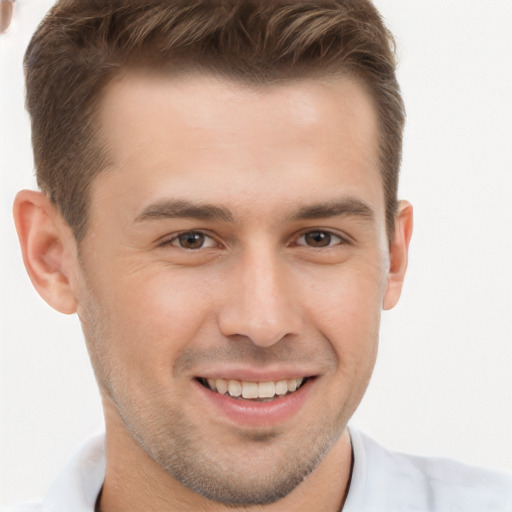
[(78, 485)]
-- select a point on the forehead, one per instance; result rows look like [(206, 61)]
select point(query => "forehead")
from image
[(319, 108), (225, 141)]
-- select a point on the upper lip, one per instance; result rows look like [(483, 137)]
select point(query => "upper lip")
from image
[(255, 374)]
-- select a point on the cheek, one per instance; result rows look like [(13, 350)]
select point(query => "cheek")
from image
[(347, 298), (136, 329), (145, 320), (346, 308), (165, 312)]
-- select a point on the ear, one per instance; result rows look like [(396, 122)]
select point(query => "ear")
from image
[(48, 248), (398, 254)]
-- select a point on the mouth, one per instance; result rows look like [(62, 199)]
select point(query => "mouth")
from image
[(254, 391)]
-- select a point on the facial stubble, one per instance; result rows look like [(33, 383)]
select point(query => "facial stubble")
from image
[(172, 440)]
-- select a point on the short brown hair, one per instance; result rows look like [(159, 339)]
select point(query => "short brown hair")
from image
[(82, 44)]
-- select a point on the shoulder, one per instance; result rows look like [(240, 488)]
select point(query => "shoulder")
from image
[(396, 481)]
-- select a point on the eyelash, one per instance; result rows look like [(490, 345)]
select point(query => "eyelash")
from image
[(177, 236), (339, 240)]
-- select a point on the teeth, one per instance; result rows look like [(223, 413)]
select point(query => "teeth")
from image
[(250, 389), (281, 387), (254, 390), (292, 384), (266, 389), (234, 387), (222, 386)]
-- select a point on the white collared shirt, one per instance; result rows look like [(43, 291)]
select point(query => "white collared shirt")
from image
[(382, 481)]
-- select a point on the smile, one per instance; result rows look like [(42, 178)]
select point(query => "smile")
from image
[(260, 391)]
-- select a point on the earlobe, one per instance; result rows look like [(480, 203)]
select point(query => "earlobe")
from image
[(47, 247), (398, 254)]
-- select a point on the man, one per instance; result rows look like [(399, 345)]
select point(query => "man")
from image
[(219, 207)]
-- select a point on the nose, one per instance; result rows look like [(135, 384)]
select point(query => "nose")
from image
[(261, 304)]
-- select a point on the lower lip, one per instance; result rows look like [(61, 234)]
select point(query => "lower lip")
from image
[(257, 414)]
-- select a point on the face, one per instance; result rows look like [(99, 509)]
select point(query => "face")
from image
[(236, 246)]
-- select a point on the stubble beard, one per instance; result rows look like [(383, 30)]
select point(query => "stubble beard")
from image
[(207, 471), (194, 460)]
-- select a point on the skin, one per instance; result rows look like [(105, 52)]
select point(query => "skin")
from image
[(269, 285)]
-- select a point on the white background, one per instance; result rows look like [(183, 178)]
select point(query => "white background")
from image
[(443, 383)]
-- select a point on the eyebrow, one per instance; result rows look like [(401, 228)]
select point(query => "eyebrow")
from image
[(350, 207), (179, 208)]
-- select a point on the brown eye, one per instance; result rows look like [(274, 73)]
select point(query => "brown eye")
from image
[(191, 240), (319, 239)]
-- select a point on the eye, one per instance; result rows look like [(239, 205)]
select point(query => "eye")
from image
[(319, 239), (191, 240)]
